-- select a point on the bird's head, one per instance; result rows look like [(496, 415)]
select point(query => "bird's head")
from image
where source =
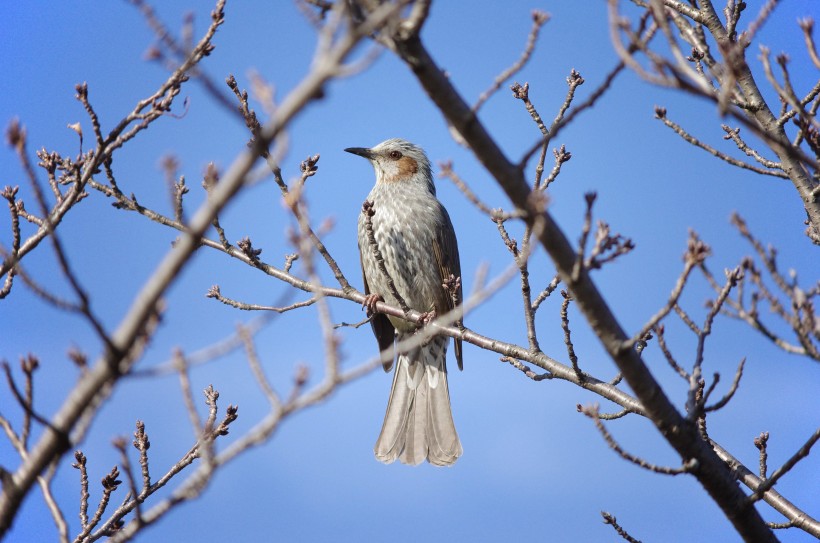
[(398, 161)]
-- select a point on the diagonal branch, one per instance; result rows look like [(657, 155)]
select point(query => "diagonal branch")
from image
[(97, 383), (711, 472)]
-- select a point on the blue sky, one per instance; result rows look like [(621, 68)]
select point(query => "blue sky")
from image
[(532, 467)]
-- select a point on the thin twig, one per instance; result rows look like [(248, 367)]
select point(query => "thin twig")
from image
[(568, 338), (801, 453), (214, 292), (660, 113), (539, 19), (610, 519), (592, 412)]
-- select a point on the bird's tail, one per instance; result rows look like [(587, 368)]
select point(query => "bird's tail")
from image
[(419, 424)]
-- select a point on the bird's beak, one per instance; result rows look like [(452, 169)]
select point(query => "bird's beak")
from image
[(361, 151)]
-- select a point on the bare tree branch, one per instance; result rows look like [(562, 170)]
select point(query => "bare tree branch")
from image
[(711, 471)]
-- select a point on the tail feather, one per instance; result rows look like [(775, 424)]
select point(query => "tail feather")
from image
[(418, 424)]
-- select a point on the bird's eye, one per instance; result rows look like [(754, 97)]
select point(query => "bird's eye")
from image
[(395, 155)]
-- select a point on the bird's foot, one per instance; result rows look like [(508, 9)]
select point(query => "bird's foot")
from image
[(370, 302), (428, 317)]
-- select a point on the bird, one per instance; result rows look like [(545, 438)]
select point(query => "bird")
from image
[(415, 239)]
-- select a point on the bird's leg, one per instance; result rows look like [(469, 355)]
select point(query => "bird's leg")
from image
[(370, 301), (425, 319)]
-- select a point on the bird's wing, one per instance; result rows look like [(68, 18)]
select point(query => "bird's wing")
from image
[(382, 327), (445, 248)]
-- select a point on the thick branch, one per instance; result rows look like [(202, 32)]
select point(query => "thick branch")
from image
[(711, 472)]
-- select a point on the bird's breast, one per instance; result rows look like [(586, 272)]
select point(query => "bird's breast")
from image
[(405, 226)]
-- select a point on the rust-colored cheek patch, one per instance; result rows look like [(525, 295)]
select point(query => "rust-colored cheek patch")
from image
[(407, 167)]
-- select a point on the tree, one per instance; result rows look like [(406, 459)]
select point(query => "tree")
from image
[(79, 251)]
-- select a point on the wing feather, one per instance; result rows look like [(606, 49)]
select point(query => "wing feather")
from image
[(382, 328), (445, 249)]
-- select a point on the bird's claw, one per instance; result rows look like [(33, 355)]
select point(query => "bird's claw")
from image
[(428, 317), (370, 301)]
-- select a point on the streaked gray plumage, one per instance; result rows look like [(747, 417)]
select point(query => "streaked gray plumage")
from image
[(417, 241)]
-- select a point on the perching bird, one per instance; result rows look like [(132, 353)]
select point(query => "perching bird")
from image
[(416, 240)]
